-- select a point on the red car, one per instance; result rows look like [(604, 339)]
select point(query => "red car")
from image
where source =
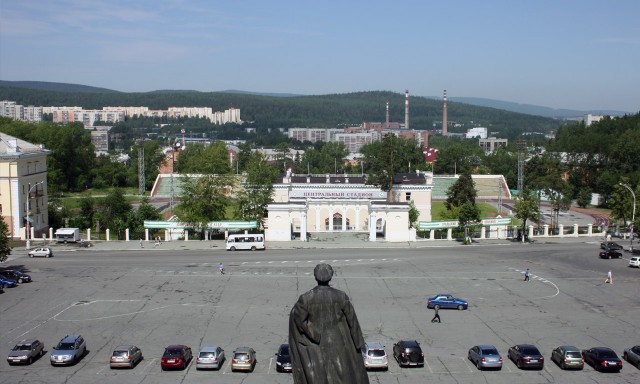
[(176, 357)]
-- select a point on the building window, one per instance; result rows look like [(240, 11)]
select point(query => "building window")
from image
[(407, 196)]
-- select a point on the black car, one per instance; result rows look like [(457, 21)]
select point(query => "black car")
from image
[(283, 359), (526, 356), (408, 353), (610, 245), (16, 275), (610, 254), (602, 359)]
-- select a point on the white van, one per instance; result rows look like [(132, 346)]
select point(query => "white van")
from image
[(252, 241)]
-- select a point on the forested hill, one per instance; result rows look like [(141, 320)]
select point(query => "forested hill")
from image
[(302, 111)]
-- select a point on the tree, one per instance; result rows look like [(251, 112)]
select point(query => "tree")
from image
[(584, 197), (114, 211), (197, 158), (257, 189), (203, 199), (414, 214), (462, 191), (390, 156), (526, 208), (468, 215), (5, 249), (145, 211)]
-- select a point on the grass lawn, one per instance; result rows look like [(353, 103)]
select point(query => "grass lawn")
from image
[(438, 210)]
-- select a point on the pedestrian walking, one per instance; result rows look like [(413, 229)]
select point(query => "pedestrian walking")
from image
[(436, 317), (141, 245), (609, 278), (221, 268), (526, 275)]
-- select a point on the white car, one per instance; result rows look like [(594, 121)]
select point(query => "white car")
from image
[(42, 252), (634, 261)]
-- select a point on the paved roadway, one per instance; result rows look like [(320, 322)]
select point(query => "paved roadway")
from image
[(155, 297)]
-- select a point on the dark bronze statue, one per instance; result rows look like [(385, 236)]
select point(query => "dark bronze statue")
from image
[(325, 338)]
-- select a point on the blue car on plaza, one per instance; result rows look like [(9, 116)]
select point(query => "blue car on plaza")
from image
[(446, 301), (7, 282)]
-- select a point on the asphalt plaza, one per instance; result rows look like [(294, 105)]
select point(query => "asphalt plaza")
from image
[(157, 297)]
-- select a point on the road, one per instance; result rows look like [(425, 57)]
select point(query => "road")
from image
[(158, 297)]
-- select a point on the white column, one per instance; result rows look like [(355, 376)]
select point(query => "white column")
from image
[(186, 235), (449, 234), (303, 226), (31, 232), (317, 217), (546, 230), (372, 226), (483, 232), (358, 217), (561, 230), (107, 232), (146, 234), (589, 229), (344, 218), (531, 232), (126, 234), (432, 234), (575, 230), (88, 234), (50, 234)]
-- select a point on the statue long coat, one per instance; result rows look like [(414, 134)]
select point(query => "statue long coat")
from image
[(325, 339)]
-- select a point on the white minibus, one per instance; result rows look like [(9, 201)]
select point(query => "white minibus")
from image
[(252, 241)]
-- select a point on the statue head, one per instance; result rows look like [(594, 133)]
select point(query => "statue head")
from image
[(323, 273)]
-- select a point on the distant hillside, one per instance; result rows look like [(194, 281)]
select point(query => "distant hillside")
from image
[(56, 87), (532, 109), (268, 111)]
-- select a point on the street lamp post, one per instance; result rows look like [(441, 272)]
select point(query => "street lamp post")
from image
[(633, 213), (29, 212)]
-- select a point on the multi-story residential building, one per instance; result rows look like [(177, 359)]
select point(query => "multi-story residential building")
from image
[(18, 112), (354, 141), (100, 140), (23, 187)]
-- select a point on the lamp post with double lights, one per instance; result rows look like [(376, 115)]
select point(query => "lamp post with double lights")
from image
[(633, 213), (29, 212)]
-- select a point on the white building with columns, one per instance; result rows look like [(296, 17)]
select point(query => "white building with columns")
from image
[(305, 204)]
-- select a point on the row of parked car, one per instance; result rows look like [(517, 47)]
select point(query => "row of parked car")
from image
[(613, 250), (407, 353), (72, 348), (10, 278)]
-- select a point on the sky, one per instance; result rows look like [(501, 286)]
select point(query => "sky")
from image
[(574, 54)]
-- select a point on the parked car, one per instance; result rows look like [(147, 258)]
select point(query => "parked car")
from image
[(408, 353), (25, 352), (283, 359), (7, 282), (127, 356), (567, 356), (374, 356), (19, 276), (610, 254), (610, 245), (68, 351), (446, 301), (176, 357), (632, 355), (634, 261), (602, 359), (526, 356), (41, 252), (210, 358), (485, 356), (244, 359)]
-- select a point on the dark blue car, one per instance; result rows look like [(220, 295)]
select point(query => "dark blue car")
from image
[(7, 282), (446, 301)]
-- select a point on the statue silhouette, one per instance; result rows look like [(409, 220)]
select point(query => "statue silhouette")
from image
[(325, 338)]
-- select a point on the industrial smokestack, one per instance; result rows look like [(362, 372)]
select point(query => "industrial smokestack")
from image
[(406, 109), (387, 118), (444, 115)]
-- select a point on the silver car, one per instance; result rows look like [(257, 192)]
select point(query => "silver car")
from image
[(568, 357), (41, 252), (126, 356), (485, 356), (68, 351), (632, 355), (25, 352), (374, 356), (210, 358)]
